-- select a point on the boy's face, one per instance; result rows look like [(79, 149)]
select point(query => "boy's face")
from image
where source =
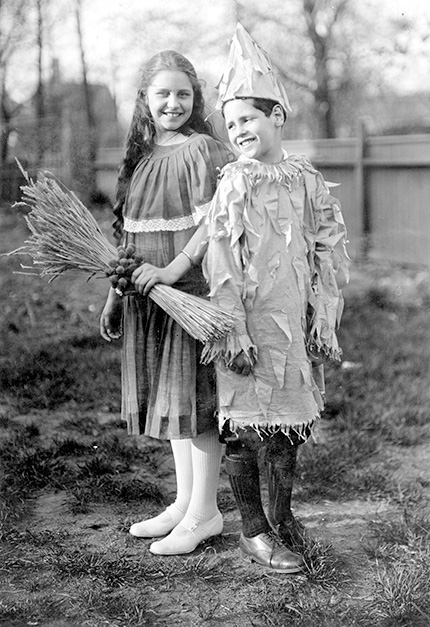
[(253, 133)]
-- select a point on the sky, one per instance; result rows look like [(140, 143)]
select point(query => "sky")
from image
[(107, 23), (105, 16)]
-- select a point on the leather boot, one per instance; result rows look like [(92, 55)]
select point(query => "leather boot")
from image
[(267, 550), (243, 473), (280, 477)]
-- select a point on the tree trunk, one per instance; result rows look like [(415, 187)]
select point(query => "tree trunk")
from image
[(322, 94), (40, 93), (90, 177)]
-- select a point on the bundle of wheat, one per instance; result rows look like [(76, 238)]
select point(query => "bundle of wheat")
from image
[(66, 237)]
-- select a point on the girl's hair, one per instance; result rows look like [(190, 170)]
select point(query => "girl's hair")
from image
[(141, 135), (263, 104)]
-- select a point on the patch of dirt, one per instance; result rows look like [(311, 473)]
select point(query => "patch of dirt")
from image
[(172, 597)]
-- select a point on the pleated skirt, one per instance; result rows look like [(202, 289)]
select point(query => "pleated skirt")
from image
[(167, 393)]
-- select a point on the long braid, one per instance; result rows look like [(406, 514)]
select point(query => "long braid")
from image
[(140, 138)]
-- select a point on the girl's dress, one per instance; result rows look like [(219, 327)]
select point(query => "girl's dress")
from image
[(276, 241), (167, 393)]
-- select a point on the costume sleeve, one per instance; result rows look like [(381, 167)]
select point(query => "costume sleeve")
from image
[(224, 267), (326, 236), (208, 158)]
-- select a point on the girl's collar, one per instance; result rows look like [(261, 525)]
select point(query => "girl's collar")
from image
[(173, 140)]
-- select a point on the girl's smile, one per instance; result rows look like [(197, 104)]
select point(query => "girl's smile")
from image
[(254, 134), (170, 99)]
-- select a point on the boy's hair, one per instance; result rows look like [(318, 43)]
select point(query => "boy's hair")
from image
[(141, 135), (263, 104), (266, 106)]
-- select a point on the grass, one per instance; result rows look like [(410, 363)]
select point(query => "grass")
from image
[(401, 548), (72, 480), (88, 472)]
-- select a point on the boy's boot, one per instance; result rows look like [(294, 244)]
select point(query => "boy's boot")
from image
[(243, 473), (257, 541), (280, 467)]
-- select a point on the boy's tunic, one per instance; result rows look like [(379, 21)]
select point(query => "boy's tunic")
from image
[(276, 242)]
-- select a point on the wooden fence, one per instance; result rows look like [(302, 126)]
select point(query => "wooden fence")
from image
[(384, 189)]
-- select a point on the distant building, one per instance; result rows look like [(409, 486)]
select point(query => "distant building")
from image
[(59, 142)]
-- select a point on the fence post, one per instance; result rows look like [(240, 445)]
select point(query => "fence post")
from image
[(362, 182)]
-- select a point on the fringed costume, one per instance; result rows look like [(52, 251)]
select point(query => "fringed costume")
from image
[(277, 240)]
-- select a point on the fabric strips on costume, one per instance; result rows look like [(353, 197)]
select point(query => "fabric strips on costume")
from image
[(325, 233), (277, 241), (327, 240)]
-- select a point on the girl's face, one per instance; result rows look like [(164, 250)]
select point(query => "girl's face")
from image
[(253, 133), (170, 99)]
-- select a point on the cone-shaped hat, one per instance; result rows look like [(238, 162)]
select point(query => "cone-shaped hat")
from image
[(249, 73)]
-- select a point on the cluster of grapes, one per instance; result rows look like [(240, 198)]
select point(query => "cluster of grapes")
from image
[(121, 269)]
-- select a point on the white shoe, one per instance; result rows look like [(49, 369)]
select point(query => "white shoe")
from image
[(185, 538), (158, 526)]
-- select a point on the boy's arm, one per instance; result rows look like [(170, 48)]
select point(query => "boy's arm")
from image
[(223, 268), (328, 261), (226, 266)]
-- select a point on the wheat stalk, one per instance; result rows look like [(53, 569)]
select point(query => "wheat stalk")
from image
[(65, 237)]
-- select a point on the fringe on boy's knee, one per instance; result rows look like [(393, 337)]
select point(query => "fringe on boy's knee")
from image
[(296, 434)]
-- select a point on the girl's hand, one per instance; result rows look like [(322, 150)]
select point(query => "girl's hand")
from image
[(241, 364), (110, 319), (146, 276)]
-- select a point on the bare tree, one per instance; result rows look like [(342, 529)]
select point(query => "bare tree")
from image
[(40, 91), (320, 19), (337, 56), (13, 35), (88, 175), (304, 52)]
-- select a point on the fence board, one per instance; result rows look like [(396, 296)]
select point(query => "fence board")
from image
[(395, 186), (384, 189), (399, 191)]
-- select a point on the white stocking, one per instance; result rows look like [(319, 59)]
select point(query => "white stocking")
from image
[(202, 519), (206, 460), (184, 472), (168, 519)]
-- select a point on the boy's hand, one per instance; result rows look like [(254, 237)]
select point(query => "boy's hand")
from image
[(146, 276), (241, 365), (318, 358)]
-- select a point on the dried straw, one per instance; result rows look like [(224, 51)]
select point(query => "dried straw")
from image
[(66, 237), (200, 318)]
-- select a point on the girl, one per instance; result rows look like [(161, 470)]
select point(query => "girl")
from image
[(166, 181), (275, 254)]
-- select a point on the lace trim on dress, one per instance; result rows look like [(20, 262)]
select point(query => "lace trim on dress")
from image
[(159, 224)]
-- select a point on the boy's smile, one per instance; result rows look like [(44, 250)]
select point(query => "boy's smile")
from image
[(254, 134)]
